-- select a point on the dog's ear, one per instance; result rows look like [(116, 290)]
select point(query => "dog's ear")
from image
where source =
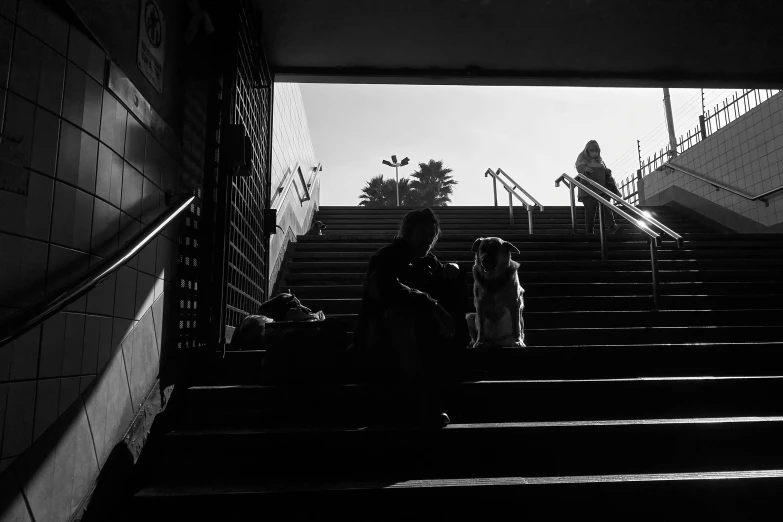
[(476, 244), (509, 247)]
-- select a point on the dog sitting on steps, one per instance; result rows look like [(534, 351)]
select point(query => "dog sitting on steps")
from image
[(316, 229), (497, 296)]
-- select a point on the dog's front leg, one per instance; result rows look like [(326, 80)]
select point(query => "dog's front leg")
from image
[(472, 331), (518, 325), (481, 333)]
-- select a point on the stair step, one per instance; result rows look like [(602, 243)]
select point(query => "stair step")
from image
[(593, 303), (579, 241), (327, 266), (367, 250), (567, 362), (627, 232), (714, 495), (498, 401), (671, 445), (638, 320), (520, 222), (738, 288), (647, 335), (563, 276)]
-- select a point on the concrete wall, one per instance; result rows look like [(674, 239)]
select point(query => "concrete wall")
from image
[(747, 155), (84, 162), (291, 145)]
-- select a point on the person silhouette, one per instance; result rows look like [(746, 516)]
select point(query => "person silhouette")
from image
[(590, 164), (406, 326)]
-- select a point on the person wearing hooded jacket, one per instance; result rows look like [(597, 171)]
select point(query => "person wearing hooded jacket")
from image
[(406, 334), (590, 164)]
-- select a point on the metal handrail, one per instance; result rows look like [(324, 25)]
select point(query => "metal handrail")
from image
[(511, 194), (639, 213), (27, 318), (288, 180), (654, 237), (517, 185), (718, 185)]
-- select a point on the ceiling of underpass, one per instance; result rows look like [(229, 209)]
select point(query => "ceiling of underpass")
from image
[(626, 43)]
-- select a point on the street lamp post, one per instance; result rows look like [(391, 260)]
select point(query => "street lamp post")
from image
[(393, 163)]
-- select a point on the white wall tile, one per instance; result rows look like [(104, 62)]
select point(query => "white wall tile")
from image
[(747, 153)]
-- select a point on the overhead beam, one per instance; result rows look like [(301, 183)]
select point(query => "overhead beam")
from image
[(672, 79)]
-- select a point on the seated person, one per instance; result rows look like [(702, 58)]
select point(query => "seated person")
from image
[(406, 327)]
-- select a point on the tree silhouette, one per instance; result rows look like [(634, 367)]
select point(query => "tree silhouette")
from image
[(381, 192), (433, 184)]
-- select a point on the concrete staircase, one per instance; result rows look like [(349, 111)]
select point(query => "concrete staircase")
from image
[(613, 409)]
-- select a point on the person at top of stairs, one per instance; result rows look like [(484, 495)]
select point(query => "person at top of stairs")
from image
[(590, 164), (406, 326)]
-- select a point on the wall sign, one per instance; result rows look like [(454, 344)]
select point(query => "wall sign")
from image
[(152, 42)]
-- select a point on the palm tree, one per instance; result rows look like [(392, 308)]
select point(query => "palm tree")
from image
[(433, 184), (381, 192), (373, 194)]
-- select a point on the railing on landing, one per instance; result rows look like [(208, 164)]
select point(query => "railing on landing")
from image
[(511, 195), (288, 181), (710, 121), (643, 223), (25, 319), (718, 185)]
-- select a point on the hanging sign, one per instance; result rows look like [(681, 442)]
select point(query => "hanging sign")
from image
[(152, 42)]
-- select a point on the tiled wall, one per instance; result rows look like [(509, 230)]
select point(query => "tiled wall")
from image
[(747, 154), (291, 143), (79, 174)]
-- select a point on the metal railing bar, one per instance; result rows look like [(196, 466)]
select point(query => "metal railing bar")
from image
[(654, 237), (566, 178), (508, 188), (285, 187), (517, 185), (671, 233), (288, 180), (27, 318), (719, 185)]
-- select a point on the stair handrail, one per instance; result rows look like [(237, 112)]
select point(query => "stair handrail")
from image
[(21, 321), (511, 194), (653, 237), (631, 208), (517, 185), (287, 182), (719, 185)]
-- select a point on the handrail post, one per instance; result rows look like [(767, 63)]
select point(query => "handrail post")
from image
[(530, 220), (573, 209), (510, 207), (495, 188), (654, 261), (601, 229)]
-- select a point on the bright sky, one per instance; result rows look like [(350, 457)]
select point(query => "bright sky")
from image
[(532, 133)]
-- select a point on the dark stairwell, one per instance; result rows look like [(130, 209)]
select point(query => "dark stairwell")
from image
[(612, 404)]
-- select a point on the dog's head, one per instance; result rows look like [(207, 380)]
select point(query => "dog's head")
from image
[(492, 253), (317, 227)]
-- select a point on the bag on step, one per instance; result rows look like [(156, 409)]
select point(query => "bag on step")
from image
[(249, 335)]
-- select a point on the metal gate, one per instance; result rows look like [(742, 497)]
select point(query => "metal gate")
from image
[(242, 102)]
